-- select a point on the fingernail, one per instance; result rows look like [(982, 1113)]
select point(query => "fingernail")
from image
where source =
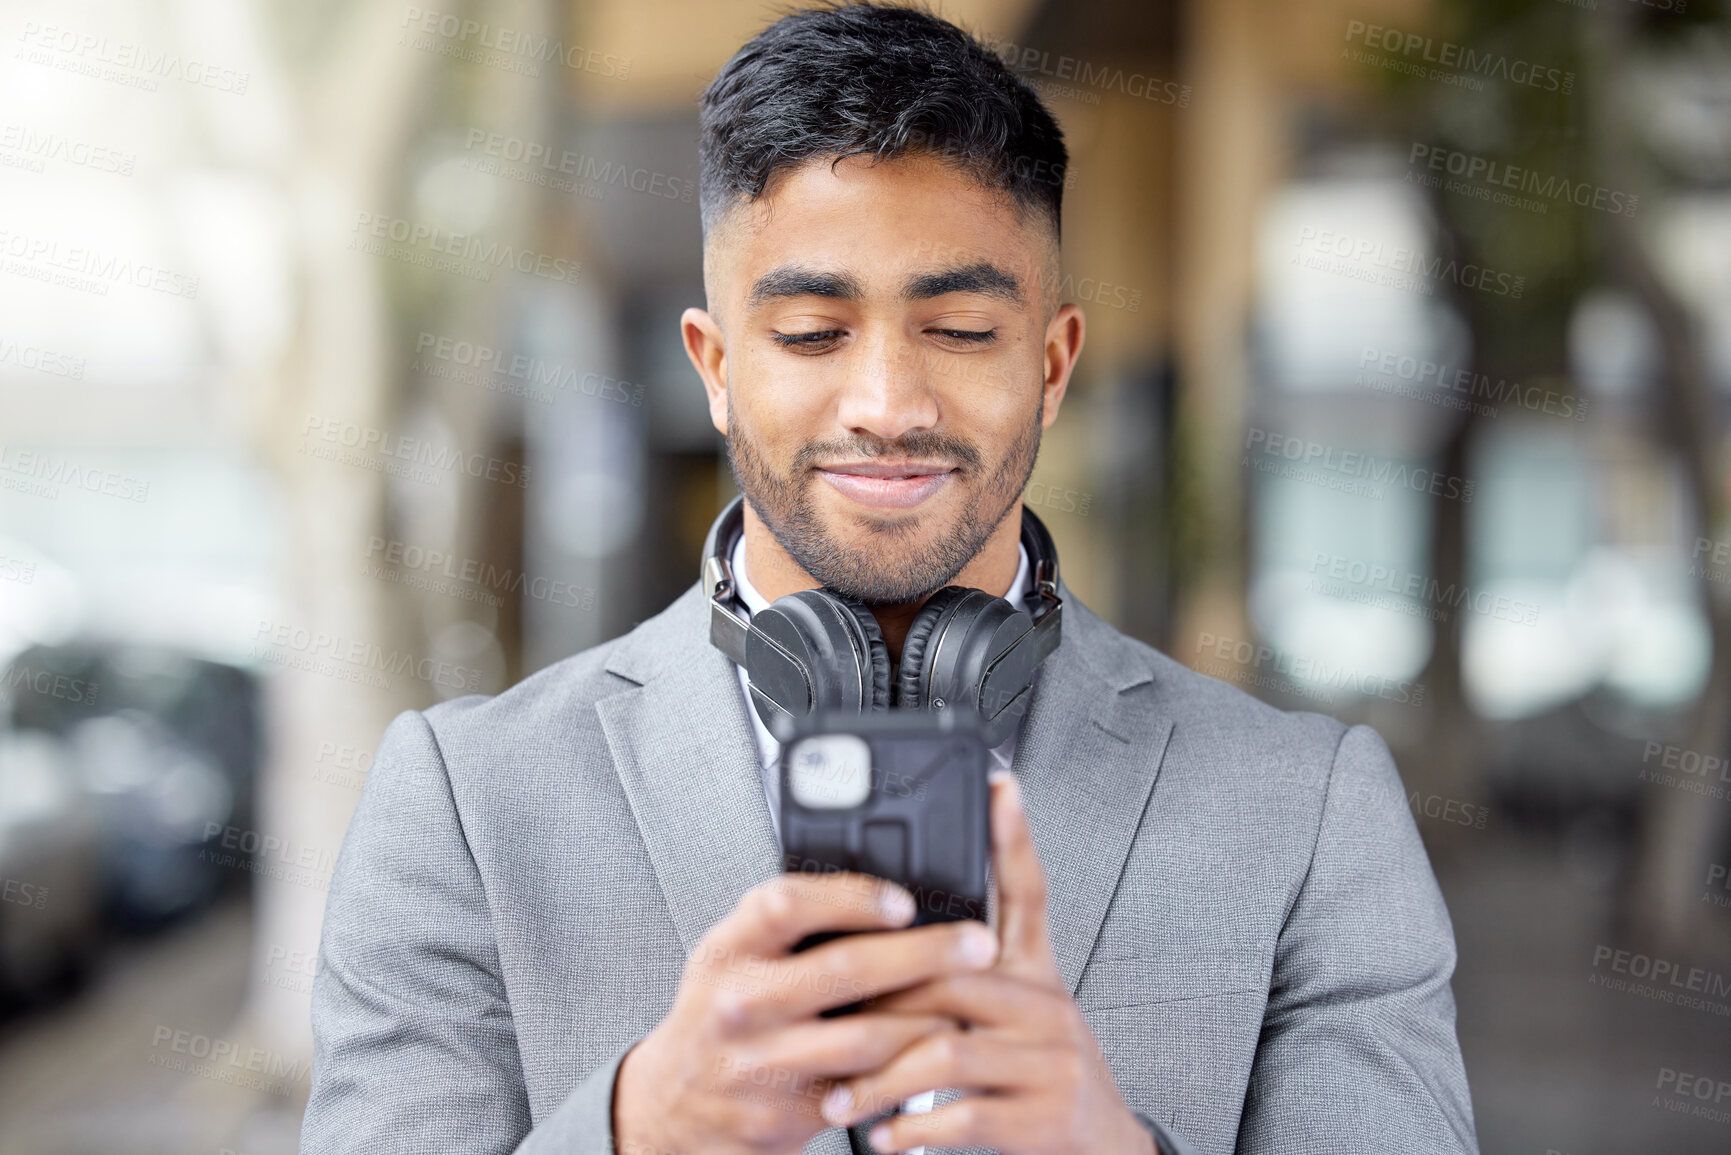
[(835, 1105), (1014, 789), (979, 946), (879, 1137), (896, 903)]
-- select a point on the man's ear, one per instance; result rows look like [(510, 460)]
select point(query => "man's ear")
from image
[(1063, 346), (707, 348)]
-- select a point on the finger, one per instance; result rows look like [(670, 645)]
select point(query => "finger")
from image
[(776, 914), (790, 1071), (787, 1099), (841, 1047), (993, 999), (1021, 882), (968, 1060), (863, 966), (1005, 1123)]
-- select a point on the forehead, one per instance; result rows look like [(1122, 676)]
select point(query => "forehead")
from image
[(879, 222)]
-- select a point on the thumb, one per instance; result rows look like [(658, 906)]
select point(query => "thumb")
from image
[(1025, 946)]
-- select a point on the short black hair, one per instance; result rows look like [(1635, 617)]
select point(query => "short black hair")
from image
[(881, 80)]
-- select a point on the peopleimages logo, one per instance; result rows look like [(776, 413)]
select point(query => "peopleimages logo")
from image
[(134, 65), (87, 269), (1435, 382), (342, 765), (430, 241), (1355, 580), (40, 474), (1346, 470), (539, 378), (353, 659), (1717, 568), (16, 569), (466, 38), (1039, 64), (24, 894), (1250, 665), (1397, 267), (225, 1061), (1461, 61), (41, 360), (1660, 979), (468, 578), (1696, 773), (51, 684), (365, 441), (1693, 1094), (533, 154), (1718, 879), (35, 149), (1469, 167)]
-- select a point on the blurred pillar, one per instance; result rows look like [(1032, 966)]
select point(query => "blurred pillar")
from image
[(1230, 152), (355, 98)]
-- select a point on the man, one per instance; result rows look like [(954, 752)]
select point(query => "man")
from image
[(557, 922)]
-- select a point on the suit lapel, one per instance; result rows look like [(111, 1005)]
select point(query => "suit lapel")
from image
[(1087, 759), (687, 759)]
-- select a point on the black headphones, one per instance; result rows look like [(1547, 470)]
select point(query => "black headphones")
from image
[(821, 650)]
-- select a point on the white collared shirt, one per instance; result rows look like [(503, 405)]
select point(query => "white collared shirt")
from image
[(769, 750)]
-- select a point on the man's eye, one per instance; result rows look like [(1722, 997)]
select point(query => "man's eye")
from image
[(795, 340), (979, 336)]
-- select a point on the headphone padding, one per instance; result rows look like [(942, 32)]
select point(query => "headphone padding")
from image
[(877, 652), (911, 678)]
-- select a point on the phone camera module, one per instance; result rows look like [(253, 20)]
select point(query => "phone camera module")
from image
[(831, 772)]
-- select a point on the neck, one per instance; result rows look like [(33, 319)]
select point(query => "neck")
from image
[(774, 573)]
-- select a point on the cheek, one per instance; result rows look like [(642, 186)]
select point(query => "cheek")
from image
[(999, 387), (996, 418), (778, 412), (770, 381)]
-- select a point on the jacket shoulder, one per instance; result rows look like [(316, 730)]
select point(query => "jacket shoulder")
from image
[(1217, 723), (572, 684)]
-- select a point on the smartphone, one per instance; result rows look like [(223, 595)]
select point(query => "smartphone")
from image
[(899, 794)]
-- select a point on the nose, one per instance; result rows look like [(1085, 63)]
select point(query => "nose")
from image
[(886, 391)]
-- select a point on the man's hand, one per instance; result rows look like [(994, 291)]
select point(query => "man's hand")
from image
[(1040, 1085), (742, 1060)]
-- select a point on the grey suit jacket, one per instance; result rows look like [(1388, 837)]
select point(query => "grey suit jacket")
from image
[(1238, 897)]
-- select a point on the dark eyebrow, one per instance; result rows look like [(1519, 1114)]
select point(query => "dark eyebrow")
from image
[(793, 281), (979, 277)]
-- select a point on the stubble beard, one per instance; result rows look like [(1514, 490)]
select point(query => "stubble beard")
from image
[(891, 568)]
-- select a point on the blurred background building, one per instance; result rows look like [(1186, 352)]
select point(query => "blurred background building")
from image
[(340, 374)]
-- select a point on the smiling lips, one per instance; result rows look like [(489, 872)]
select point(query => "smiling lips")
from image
[(901, 485)]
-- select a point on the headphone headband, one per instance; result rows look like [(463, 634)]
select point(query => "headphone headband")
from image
[(727, 630), (822, 650)]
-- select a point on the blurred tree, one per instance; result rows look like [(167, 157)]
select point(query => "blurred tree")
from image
[(1585, 135), (354, 98), (1679, 831)]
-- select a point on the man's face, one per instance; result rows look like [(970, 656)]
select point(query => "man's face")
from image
[(884, 369)]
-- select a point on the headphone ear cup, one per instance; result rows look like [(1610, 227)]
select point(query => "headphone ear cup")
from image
[(811, 650), (877, 652), (911, 675)]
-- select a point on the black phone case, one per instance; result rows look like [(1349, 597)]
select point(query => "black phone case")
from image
[(924, 823)]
